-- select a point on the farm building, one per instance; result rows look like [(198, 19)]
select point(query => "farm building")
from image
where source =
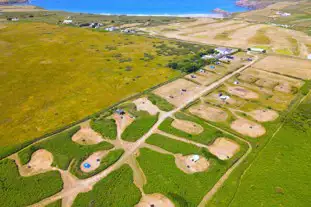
[(224, 50), (255, 49), (67, 21)]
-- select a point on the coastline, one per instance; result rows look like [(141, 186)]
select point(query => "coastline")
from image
[(208, 15)]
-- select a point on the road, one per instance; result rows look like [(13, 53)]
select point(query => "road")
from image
[(87, 184)]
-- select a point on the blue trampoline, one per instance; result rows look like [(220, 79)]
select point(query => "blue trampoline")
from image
[(86, 165)]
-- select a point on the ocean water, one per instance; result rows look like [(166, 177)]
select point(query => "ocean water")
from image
[(140, 7)]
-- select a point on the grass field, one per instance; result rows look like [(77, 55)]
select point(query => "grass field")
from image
[(183, 189), (264, 183), (276, 177), (22, 191), (64, 150), (173, 145), (139, 127), (53, 75), (106, 127), (117, 189)]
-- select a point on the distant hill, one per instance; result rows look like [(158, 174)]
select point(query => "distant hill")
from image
[(12, 1), (258, 4)]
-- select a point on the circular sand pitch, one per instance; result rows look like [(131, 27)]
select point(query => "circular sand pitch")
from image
[(264, 115), (86, 136), (224, 148), (242, 92), (248, 128), (187, 126), (284, 88), (93, 161), (155, 200), (143, 104), (209, 113), (188, 165), (41, 161)]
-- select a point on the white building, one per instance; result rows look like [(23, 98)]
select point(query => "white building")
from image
[(67, 21), (111, 29), (224, 50), (256, 49), (309, 57)]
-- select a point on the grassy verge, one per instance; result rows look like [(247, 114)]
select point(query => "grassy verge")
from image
[(117, 189), (183, 189), (139, 127), (161, 103), (106, 127), (107, 161), (64, 150), (23, 191), (172, 145), (57, 203)]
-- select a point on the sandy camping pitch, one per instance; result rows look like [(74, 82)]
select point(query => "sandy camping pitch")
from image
[(143, 104), (155, 200), (41, 161), (284, 88), (178, 92), (191, 163), (209, 113), (248, 128), (122, 121), (86, 136), (242, 92), (224, 148), (93, 161), (264, 115), (187, 126)]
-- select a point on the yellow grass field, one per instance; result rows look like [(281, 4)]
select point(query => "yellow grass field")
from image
[(53, 75)]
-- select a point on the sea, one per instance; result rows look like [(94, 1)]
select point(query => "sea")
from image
[(141, 7)]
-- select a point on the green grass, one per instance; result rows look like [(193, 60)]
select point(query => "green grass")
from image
[(260, 38), (161, 103), (57, 203), (106, 127), (284, 51), (206, 137), (172, 145), (42, 90), (20, 191), (139, 127), (64, 150), (107, 161), (117, 189), (164, 177), (281, 177)]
